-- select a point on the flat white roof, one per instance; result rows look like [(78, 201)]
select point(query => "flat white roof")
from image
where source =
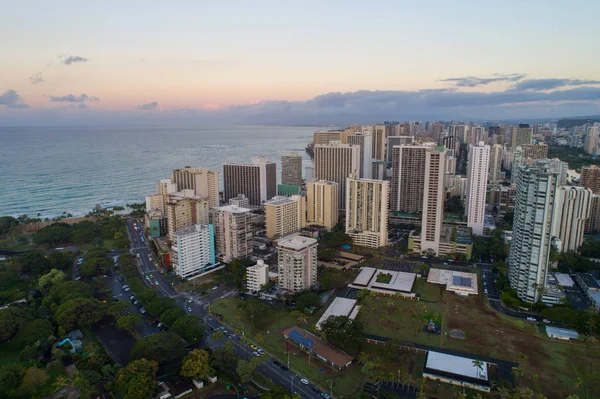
[(233, 209), (456, 365), (564, 279), (366, 274), (401, 281), (454, 280), (339, 307), (561, 332), (295, 242)]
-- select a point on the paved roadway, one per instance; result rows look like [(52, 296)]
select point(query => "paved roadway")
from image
[(199, 307)]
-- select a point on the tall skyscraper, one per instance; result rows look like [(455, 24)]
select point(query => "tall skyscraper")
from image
[(193, 250), (327, 137), (365, 142), (335, 162), (291, 169), (233, 232), (495, 164), (158, 201), (532, 227), (285, 215), (591, 140), (185, 209), (396, 141), (496, 135), (257, 181), (204, 182), (571, 212), (323, 203), (408, 177), (459, 131), (435, 130), (535, 151), (366, 211), (433, 198), (520, 135), (378, 133), (478, 134), (309, 172), (590, 178), (297, 262), (477, 175)]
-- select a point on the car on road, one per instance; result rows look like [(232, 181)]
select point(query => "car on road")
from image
[(315, 390), (546, 321), (531, 318), (127, 289), (190, 300), (215, 287), (262, 352), (78, 278), (132, 297), (142, 310), (156, 282), (255, 353), (254, 347), (155, 322), (325, 395), (276, 363), (189, 309), (304, 381)]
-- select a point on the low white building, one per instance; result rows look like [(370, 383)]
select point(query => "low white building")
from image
[(385, 282), (461, 283), (193, 251), (340, 307), (457, 370), (257, 276)]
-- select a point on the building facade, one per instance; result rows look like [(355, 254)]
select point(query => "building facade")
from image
[(323, 203), (335, 162), (495, 164), (433, 199), (297, 262), (365, 142), (571, 213), (535, 151), (393, 141), (520, 135), (590, 178), (257, 276), (291, 169), (408, 178), (257, 181), (185, 209), (285, 215), (590, 144), (367, 211), (204, 182), (193, 250), (233, 232), (531, 238), (477, 175)]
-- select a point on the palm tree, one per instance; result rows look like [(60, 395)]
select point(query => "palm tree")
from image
[(217, 335), (363, 357), (302, 318), (518, 372), (478, 363), (503, 392), (60, 383)]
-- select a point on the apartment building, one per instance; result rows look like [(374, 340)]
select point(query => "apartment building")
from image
[(590, 178), (257, 276), (233, 232), (297, 262), (335, 162), (520, 135), (477, 176), (257, 181), (185, 209), (571, 213), (535, 151), (433, 198), (495, 166), (285, 215), (367, 211), (291, 169), (323, 203), (204, 182), (193, 251), (365, 142)]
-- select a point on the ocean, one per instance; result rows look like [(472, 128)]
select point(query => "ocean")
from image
[(50, 170)]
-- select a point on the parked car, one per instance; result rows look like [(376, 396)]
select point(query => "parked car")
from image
[(262, 352), (255, 353), (304, 381), (546, 321), (189, 309), (155, 322), (254, 347), (325, 395), (132, 297), (531, 318)]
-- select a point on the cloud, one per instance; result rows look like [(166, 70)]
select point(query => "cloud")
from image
[(549, 84), (149, 106), (472, 81), (37, 78), (70, 98), (12, 99), (71, 59)]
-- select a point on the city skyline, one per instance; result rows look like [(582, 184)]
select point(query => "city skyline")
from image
[(273, 63)]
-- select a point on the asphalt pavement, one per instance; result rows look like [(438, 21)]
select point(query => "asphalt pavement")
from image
[(199, 307)]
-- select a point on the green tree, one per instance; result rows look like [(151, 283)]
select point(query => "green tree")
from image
[(168, 317), (61, 382), (53, 235), (96, 265), (343, 332), (61, 260), (197, 365), (79, 312), (7, 223), (159, 305), (8, 277), (305, 300), (137, 379), (33, 331), (11, 320), (128, 323), (245, 369), (33, 263), (50, 279), (34, 378), (11, 375), (188, 328), (160, 347), (224, 358)]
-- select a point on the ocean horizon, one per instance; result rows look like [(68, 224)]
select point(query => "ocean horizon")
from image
[(55, 169)]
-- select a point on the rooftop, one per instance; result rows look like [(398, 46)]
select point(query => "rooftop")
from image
[(564, 279), (339, 307), (233, 209), (457, 365), (456, 281), (295, 242), (561, 332), (192, 229), (281, 200), (314, 344), (589, 280), (399, 281)]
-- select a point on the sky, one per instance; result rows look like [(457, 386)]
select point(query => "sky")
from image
[(296, 62)]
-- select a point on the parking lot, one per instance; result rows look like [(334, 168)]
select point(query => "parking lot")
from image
[(401, 266)]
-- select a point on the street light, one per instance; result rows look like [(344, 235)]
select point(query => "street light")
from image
[(293, 383)]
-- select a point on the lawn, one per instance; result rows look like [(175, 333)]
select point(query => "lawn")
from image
[(428, 292), (199, 284)]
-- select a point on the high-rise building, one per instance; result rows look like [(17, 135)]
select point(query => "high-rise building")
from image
[(459, 131), (297, 262), (365, 142), (520, 135), (561, 168), (593, 223), (185, 209), (535, 151), (366, 211), (335, 162), (323, 203), (309, 172), (590, 178), (571, 212), (408, 177), (495, 164), (158, 201), (433, 198), (591, 140), (193, 250), (477, 176), (496, 135), (233, 232), (291, 169), (257, 276), (478, 134), (532, 227), (379, 142), (285, 215), (240, 201), (325, 138), (396, 141), (435, 130), (204, 182), (257, 181)]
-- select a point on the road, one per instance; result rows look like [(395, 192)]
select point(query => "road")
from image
[(199, 307)]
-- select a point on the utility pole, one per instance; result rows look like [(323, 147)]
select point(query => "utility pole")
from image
[(293, 383), (287, 346)]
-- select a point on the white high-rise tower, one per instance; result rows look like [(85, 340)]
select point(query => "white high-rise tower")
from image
[(477, 175)]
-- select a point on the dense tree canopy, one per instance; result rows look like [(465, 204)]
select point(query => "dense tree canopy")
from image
[(197, 365), (50, 279), (11, 320), (53, 235), (34, 263), (160, 347), (61, 260), (169, 316), (188, 328), (343, 332), (590, 248), (158, 305), (62, 292), (33, 331), (79, 312), (137, 379), (7, 223), (305, 300), (8, 277)]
